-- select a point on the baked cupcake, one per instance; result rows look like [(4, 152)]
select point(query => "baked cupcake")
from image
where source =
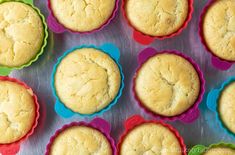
[(157, 18), (167, 84), (82, 16), (21, 34), (82, 138), (17, 111), (226, 107), (149, 137), (221, 101), (220, 151), (87, 80), (213, 149), (218, 29)]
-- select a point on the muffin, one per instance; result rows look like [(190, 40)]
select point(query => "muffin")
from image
[(226, 107), (17, 111), (219, 29), (21, 33), (157, 17), (82, 16), (167, 84), (150, 138), (220, 151), (81, 140), (87, 80)]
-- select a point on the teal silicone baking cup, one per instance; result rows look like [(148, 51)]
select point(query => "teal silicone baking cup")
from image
[(212, 103), (107, 48), (200, 149), (4, 70)]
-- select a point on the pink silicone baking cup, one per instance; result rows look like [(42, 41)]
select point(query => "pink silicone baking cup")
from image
[(98, 123), (13, 148), (148, 39), (217, 62), (137, 120), (193, 112), (57, 27)]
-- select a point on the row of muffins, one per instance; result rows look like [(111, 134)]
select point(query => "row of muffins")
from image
[(20, 122), (111, 67), (149, 18)]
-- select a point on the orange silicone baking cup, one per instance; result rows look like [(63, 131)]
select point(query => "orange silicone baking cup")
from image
[(13, 148), (136, 120), (145, 39)]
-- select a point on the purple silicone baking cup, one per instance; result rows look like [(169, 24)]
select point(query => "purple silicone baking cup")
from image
[(57, 27), (193, 112), (97, 123), (217, 62)]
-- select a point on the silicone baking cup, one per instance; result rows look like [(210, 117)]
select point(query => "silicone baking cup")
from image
[(137, 120), (4, 71), (57, 27), (200, 149), (193, 112), (98, 123), (13, 148), (148, 39), (216, 61), (107, 48), (212, 102)]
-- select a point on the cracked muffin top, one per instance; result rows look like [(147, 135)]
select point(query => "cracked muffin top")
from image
[(81, 140), (167, 84), (17, 111), (219, 29), (157, 17), (220, 151), (21, 33), (87, 80), (82, 15), (150, 138), (226, 107)]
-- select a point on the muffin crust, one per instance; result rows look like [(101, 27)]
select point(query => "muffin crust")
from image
[(151, 139), (157, 17), (21, 33), (227, 107), (220, 151), (167, 84), (219, 29), (17, 111), (82, 15), (81, 140), (87, 80)]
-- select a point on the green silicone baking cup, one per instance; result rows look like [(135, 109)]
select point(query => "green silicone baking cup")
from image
[(200, 149), (4, 71)]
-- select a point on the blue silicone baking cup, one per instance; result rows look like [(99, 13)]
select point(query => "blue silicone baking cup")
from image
[(108, 48), (212, 102)]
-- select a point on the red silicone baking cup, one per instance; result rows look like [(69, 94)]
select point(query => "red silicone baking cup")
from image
[(98, 123), (193, 112), (13, 148), (137, 120), (215, 60), (57, 27), (148, 39)]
